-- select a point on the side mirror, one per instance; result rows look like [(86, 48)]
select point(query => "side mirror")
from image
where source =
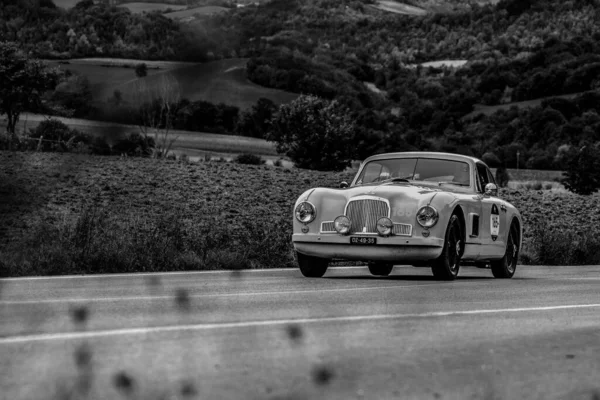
[(491, 189), (343, 185)]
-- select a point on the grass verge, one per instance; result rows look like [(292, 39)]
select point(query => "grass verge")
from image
[(102, 240)]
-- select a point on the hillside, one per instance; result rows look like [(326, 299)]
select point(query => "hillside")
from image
[(480, 109), (188, 15), (141, 7), (516, 51), (222, 81)]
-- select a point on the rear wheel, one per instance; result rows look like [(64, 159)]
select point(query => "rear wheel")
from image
[(312, 267), (380, 269), (505, 267), (446, 266)]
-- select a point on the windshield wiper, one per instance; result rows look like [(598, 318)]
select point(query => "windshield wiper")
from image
[(453, 183), (395, 180)]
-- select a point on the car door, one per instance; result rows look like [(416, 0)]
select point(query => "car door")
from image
[(493, 221)]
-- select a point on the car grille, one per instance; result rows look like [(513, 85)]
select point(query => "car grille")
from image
[(327, 226), (364, 213), (402, 229)]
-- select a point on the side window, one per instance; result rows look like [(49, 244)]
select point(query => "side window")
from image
[(490, 177), (482, 177)]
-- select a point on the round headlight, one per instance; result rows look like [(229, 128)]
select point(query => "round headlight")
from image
[(385, 226), (427, 216), (305, 212), (342, 225)]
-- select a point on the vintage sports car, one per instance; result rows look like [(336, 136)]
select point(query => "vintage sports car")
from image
[(418, 208)]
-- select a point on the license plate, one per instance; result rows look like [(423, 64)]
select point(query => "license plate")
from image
[(363, 240)]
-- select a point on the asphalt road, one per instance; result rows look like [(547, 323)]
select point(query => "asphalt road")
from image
[(275, 335)]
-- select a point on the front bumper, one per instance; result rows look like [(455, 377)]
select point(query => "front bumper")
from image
[(394, 248)]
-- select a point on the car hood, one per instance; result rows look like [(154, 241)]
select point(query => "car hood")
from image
[(404, 199)]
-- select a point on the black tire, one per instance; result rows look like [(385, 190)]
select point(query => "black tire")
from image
[(380, 269), (505, 267), (446, 266), (312, 267)]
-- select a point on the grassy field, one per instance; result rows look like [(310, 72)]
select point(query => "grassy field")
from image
[(149, 7), (398, 8), (65, 3), (445, 6), (221, 81), (134, 214), (194, 144), (133, 6), (188, 14), (445, 63)]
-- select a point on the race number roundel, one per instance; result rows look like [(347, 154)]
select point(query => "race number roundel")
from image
[(494, 222)]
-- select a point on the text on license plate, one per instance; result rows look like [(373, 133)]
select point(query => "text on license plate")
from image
[(363, 240)]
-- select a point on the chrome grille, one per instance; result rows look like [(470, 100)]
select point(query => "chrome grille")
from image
[(327, 226), (365, 213), (402, 229)]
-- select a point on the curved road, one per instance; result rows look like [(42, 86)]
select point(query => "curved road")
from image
[(274, 335)]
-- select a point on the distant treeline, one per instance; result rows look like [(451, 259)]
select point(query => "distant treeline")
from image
[(198, 116)]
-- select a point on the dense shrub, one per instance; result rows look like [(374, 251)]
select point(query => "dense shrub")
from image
[(314, 133), (582, 175), (100, 146), (251, 159), (55, 135), (502, 177), (102, 241), (561, 245), (255, 122), (141, 70), (135, 145), (491, 159)]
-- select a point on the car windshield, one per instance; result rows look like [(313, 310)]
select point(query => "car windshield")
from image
[(416, 169)]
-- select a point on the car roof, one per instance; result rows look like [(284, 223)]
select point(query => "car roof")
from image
[(423, 154)]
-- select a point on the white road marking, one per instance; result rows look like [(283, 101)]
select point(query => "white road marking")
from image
[(174, 273), (247, 324), (170, 297)]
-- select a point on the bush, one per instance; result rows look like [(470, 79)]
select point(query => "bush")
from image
[(502, 177), (560, 245), (57, 136), (135, 145), (141, 70), (101, 147), (582, 172), (490, 159), (251, 159), (314, 133)]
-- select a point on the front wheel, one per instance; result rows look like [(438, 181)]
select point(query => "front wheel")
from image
[(505, 267), (380, 269), (312, 267), (446, 266)]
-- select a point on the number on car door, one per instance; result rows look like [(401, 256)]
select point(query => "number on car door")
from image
[(493, 226)]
